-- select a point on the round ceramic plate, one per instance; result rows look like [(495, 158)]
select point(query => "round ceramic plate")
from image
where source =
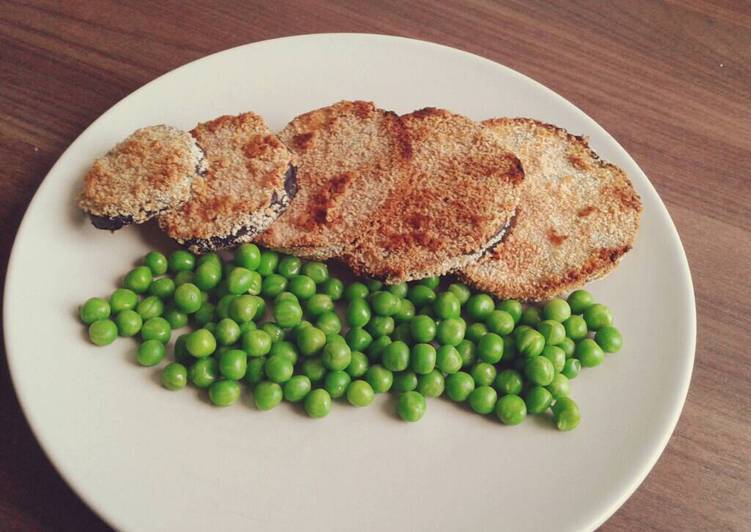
[(147, 459)]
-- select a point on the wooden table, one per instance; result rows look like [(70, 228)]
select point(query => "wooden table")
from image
[(670, 80)]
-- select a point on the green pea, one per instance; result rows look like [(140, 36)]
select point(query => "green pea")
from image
[(207, 276), (431, 384), (162, 288), (538, 400), (240, 280), (566, 414), (377, 346), (511, 409), (284, 349), (395, 356), (422, 328), (358, 313), (156, 329), (286, 296), (256, 283), (423, 358), (609, 339), (267, 395), (490, 348), (568, 346), (138, 279), (421, 295), (233, 364), (102, 332), (278, 369), (205, 314), (356, 290), (598, 316), (401, 333), (576, 327), (539, 370), (329, 323), (459, 386), (500, 322), (287, 313), (128, 322), (314, 369), (332, 287), (288, 266), (200, 343), (461, 291), (183, 277), (318, 403), (188, 298), (479, 306), (447, 305), (297, 387), (571, 368), (557, 310), (318, 304), (475, 332), (450, 331), (360, 393), (399, 290), (466, 350), (273, 330), (379, 378), (513, 307), (273, 285), (380, 326), (482, 399), (405, 311), (589, 353), (255, 372), (556, 356), (204, 372), (430, 282), (579, 301), (150, 307), (256, 343), (384, 303), (224, 393), (302, 286), (509, 381), (95, 308), (336, 383), (243, 308), (336, 355), (156, 262), (530, 343), (483, 373), (268, 263), (358, 339), (358, 365), (553, 331), (122, 299), (531, 317), (318, 271), (448, 359), (248, 256), (297, 328), (520, 330), (411, 406), (174, 376), (181, 261), (405, 381), (559, 387)]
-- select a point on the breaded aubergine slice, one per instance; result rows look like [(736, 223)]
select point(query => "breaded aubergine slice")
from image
[(577, 217), (250, 181), (454, 199), (345, 154), (148, 173)]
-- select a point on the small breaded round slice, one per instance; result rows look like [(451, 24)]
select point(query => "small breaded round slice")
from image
[(577, 217), (250, 182), (454, 199), (345, 153), (148, 173)]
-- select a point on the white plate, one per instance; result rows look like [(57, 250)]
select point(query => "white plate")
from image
[(147, 459)]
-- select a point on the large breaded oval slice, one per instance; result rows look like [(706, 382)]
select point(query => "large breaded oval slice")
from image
[(345, 153), (454, 198), (577, 217), (249, 182), (148, 173)]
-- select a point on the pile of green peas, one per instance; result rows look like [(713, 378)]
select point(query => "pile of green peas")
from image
[(270, 321)]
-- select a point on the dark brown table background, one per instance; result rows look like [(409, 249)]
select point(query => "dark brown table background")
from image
[(670, 80)]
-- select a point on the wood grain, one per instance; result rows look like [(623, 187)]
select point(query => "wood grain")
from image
[(670, 80)]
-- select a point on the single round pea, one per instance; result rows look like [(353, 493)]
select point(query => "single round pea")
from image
[(411, 406), (609, 339), (273, 285), (297, 328), (156, 262), (274, 331), (284, 349), (559, 387), (242, 309), (395, 356), (260, 306), (589, 353), (423, 358), (530, 343), (568, 346), (513, 307), (482, 399), (297, 387), (138, 279), (224, 393), (538, 400), (122, 299), (447, 305), (466, 350), (422, 328), (156, 329), (128, 322), (579, 301), (399, 290), (461, 291), (248, 256), (233, 364), (336, 383), (256, 283), (205, 314), (576, 327), (200, 343), (204, 372), (268, 263), (358, 339), (450, 331), (431, 384), (318, 271), (553, 331), (240, 280), (377, 346), (256, 343), (358, 313), (95, 308), (511, 409), (448, 359), (288, 313), (162, 288), (314, 369), (380, 326), (557, 310), (566, 414), (379, 378), (404, 381), (188, 298), (174, 376), (384, 303), (475, 332), (500, 322), (356, 290), (539, 370), (571, 368), (150, 353), (358, 365), (183, 277), (490, 348), (405, 311), (509, 381), (255, 372), (278, 369), (531, 316), (520, 329), (302, 286), (598, 316), (329, 323), (332, 287), (318, 304), (556, 356), (207, 276), (286, 296), (318, 403), (267, 395), (247, 326), (209, 258), (483, 373), (401, 333), (360, 393), (420, 295), (336, 355), (150, 307), (181, 261), (459, 386), (479, 306), (430, 282), (288, 266)]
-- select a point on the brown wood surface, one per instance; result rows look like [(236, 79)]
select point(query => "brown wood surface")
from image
[(670, 80)]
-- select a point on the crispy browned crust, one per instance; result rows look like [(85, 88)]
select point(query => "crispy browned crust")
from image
[(458, 191), (148, 172), (577, 217), (346, 153), (242, 192)]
